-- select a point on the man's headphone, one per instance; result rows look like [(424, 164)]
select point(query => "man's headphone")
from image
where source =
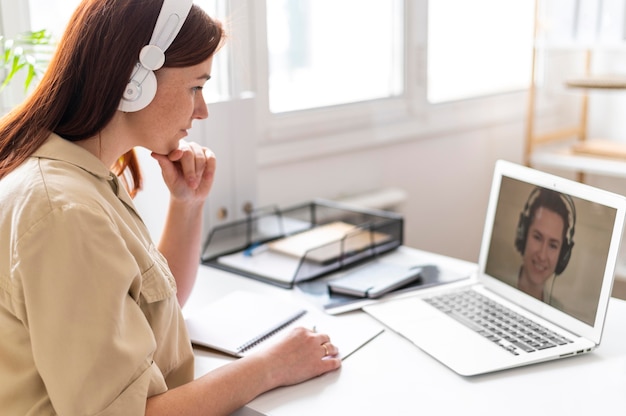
[(142, 86), (524, 224)]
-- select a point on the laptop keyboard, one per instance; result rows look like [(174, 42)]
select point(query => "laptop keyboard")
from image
[(497, 323)]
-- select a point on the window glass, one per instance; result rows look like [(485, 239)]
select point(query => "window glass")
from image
[(330, 52), (478, 47), (333, 52)]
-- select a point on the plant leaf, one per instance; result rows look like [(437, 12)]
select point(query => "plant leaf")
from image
[(29, 77), (30, 51)]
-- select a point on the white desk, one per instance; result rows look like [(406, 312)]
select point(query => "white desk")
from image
[(390, 376)]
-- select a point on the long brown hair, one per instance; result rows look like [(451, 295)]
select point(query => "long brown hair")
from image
[(80, 92)]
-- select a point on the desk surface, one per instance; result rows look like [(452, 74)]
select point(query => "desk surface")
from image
[(390, 376)]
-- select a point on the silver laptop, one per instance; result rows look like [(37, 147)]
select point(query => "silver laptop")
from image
[(543, 283)]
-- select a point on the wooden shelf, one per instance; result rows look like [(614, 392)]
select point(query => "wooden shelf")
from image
[(608, 82), (608, 149), (563, 157)]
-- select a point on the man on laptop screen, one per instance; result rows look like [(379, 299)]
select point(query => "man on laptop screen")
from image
[(542, 233)]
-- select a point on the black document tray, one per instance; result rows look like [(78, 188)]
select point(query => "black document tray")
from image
[(243, 246)]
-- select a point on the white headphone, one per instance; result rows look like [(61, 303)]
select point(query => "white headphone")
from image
[(142, 86)]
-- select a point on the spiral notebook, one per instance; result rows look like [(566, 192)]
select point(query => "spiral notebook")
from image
[(243, 322)]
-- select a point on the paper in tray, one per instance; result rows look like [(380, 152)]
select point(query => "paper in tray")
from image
[(325, 243)]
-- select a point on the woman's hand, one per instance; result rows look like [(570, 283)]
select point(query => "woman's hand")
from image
[(188, 171), (302, 355)]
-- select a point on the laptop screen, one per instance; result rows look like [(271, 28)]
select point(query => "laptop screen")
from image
[(551, 246)]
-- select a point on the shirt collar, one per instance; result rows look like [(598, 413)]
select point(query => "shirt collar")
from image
[(58, 148)]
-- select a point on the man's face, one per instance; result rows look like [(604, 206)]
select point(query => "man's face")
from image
[(543, 245)]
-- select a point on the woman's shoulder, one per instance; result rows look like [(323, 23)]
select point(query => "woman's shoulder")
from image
[(40, 186), (49, 181)]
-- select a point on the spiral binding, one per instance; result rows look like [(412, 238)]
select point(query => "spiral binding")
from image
[(258, 339)]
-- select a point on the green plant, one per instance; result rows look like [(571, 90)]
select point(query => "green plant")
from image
[(28, 51)]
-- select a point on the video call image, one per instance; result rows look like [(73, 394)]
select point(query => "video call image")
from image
[(551, 246)]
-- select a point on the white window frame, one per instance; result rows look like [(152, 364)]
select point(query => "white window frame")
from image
[(288, 137), (296, 135)]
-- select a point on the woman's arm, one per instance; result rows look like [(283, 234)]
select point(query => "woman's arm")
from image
[(297, 358), (188, 173), (180, 244)]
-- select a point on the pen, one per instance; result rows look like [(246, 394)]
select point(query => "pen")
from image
[(254, 249)]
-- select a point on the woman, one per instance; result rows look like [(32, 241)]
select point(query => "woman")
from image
[(90, 318)]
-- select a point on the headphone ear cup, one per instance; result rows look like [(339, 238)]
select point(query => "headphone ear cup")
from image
[(520, 235), (142, 87), (137, 97), (564, 256)]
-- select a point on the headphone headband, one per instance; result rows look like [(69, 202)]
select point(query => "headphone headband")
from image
[(171, 19), (141, 87)]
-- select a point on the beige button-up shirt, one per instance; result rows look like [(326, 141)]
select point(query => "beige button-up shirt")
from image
[(89, 321)]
